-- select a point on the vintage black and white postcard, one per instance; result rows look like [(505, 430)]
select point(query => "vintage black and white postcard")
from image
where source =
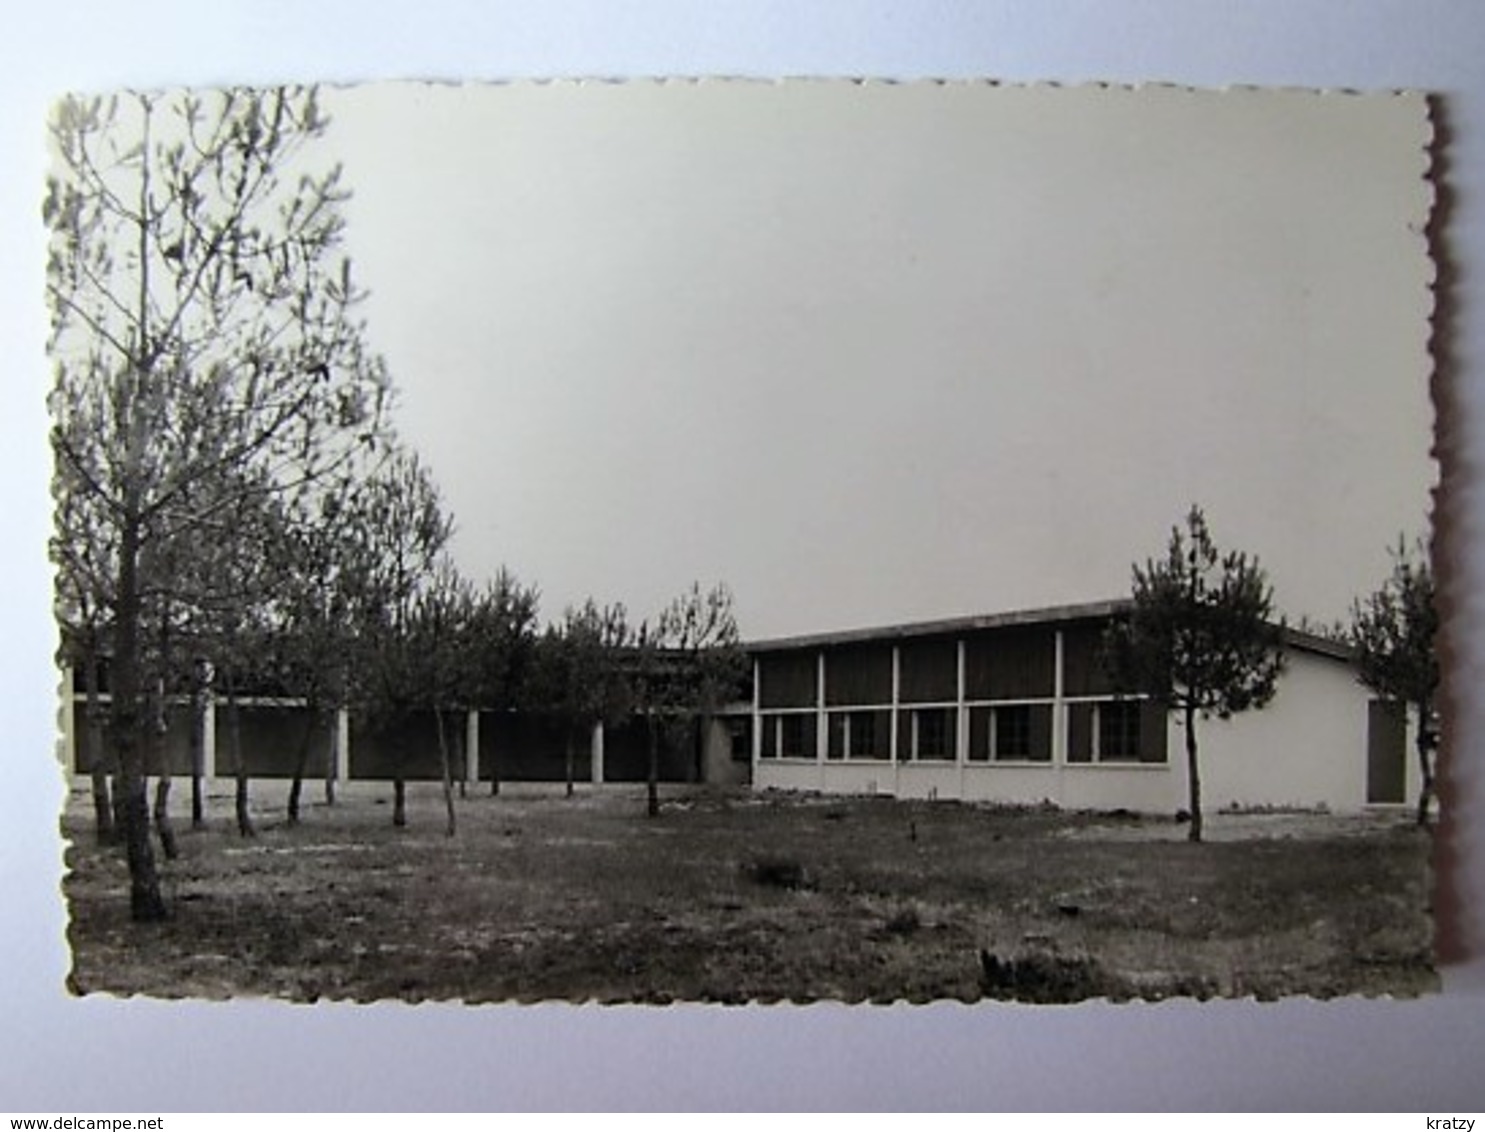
[(728, 541)]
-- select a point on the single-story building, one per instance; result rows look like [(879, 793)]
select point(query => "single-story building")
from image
[(1011, 707), (1018, 708)]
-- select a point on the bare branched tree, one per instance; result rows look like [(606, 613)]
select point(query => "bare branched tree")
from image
[(206, 351)]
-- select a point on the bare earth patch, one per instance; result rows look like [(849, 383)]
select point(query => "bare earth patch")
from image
[(738, 897)]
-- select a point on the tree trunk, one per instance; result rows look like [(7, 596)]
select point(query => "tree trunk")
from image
[(1424, 743), (104, 830), (446, 765), (239, 762), (700, 738), (301, 763), (241, 804), (159, 747), (652, 777), (399, 802), (158, 759), (570, 760), (1193, 775), (146, 904), (118, 805), (198, 747), (163, 829), (462, 746), (295, 787), (332, 756), (494, 769)]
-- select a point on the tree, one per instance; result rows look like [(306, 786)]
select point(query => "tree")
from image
[(682, 668), (437, 662), (579, 673), (503, 645), (202, 324), (1394, 631), (84, 559), (405, 533), (322, 567), (1200, 638), (231, 583)]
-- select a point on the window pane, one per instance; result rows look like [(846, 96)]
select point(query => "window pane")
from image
[(798, 740), (836, 736), (1013, 732), (928, 670), (1119, 731), (1079, 733), (1083, 670), (868, 734), (1041, 733), (770, 745), (979, 734), (858, 675), (788, 680), (1010, 663), (935, 733)]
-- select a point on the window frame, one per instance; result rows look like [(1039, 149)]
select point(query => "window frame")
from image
[(771, 726), (944, 714), (999, 715), (1131, 711)]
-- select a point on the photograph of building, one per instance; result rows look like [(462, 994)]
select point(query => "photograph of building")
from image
[(680, 565)]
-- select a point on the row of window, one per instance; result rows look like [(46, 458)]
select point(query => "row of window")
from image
[(1004, 663), (1116, 731)]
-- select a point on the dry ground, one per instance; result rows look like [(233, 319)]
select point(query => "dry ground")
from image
[(736, 897)]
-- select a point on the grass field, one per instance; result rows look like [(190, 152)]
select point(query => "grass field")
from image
[(737, 897)]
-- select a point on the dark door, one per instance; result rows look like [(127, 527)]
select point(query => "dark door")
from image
[(1386, 751)]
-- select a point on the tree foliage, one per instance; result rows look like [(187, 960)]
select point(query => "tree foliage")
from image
[(1200, 637), (1394, 631), (579, 671), (207, 358), (401, 582), (684, 666)]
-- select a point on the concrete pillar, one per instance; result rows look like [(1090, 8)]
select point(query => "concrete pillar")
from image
[(1060, 721), (68, 722), (472, 746), (961, 728), (595, 748), (961, 718), (893, 743), (208, 735), (343, 745), (757, 719), (822, 732)]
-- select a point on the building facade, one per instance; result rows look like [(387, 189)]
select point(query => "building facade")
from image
[(1013, 708), (1017, 708)]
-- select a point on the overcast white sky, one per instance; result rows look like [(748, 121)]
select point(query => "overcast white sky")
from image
[(883, 353)]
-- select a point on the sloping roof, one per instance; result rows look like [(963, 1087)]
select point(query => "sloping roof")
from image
[(1046, 615)]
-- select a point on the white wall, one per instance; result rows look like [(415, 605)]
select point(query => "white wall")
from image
[(1307, 748), (1150, 788)]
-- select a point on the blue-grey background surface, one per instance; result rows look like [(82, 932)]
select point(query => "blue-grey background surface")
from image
[(60, 1055)]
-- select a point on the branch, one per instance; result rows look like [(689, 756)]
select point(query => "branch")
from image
[(64, 446), (93, 324)]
